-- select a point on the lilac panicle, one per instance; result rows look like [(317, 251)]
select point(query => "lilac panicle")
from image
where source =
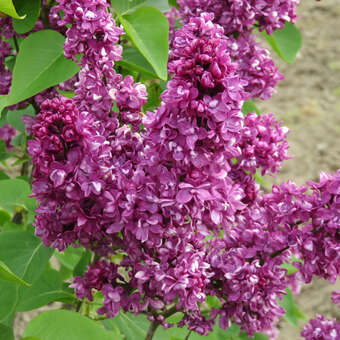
[(321, 328), (240, 16), (176, 205)]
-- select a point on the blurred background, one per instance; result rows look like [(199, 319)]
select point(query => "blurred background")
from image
[(308, 102)]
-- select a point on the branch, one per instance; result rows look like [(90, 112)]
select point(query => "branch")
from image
[(156, 323)]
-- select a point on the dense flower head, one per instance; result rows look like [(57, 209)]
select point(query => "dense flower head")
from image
[(263, 144), (321, 328), (255, 66), (173, 212), (241, 15)]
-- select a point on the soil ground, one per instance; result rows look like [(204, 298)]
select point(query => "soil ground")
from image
[(308, 102)]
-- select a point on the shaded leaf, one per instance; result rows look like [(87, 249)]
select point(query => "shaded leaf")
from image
[(14, 117), (6, 333), (29, 8), (48, 288), (135, 61), (82, 264)]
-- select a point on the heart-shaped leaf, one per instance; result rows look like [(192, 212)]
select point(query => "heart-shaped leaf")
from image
[(39, 65)]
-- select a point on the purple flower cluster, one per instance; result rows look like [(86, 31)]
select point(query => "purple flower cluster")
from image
[(255, 66), (241, 15), (321, 328), (174, 213)]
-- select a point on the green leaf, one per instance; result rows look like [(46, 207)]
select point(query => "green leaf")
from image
[(3, 175), (7, 7), (286, 42), (125, 6), (173, 3), (48, 288), (148, 29), (290, 268), (6, 333), (133, 327), (31, 8), (10, 62), (24, 254), (26, 257), (3, 151), (293, 313), (7, 275), (82, 264), (3, 102), (154, 91), (67, 94), (31, 338), (14, 118), (13, 193), (66, 325), (4, 217), (135, 61), (40, 64), (249, 106), (70, 257)]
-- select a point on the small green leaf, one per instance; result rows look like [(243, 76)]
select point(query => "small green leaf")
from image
[(7, 7), (7, 275), (286, 42), (148, 29), (290, 268), (14, 118), (39, 65), (70, 257), (6, 333), (82, 264), (67, 94), (66, 325), (249, 106), (154, 100), (293, 313), (31, 8)]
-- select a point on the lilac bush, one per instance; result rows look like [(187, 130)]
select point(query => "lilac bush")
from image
[(168, 201)]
